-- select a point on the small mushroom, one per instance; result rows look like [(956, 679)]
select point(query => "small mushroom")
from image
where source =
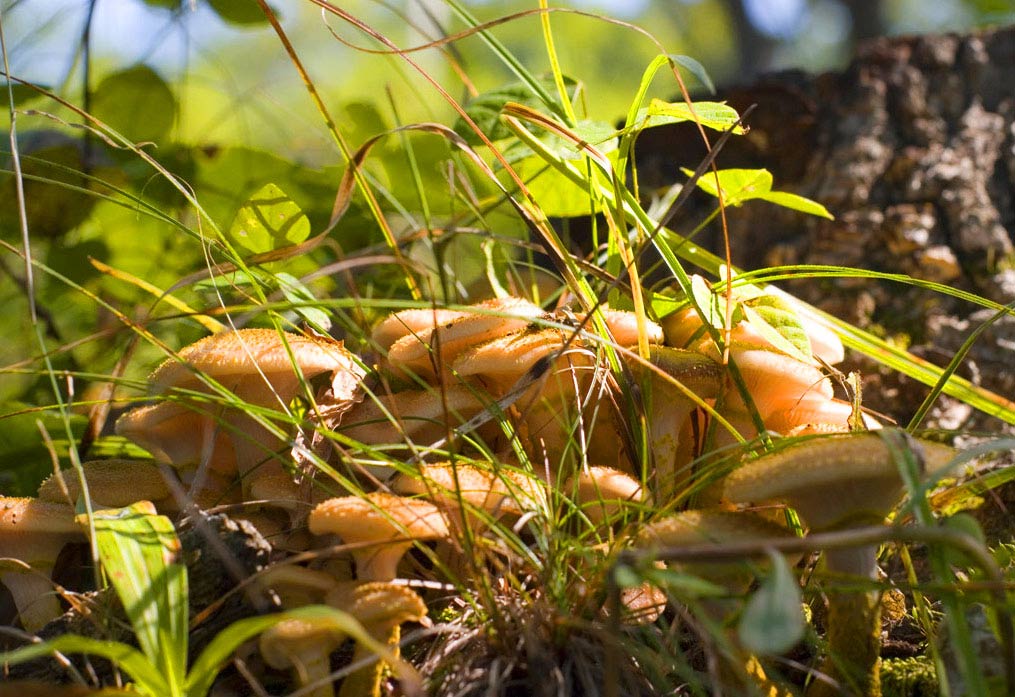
[(692, 528), (623, 325), (835, 483), (454, 486), (498, 364), (415, 322), (294, 585), (276, 493), (305, 645), (668, 407), (380, 528), (381, 608), (181, 436), (567, 391), (811, 411), (33, 532), (710, 527), (603, 492)]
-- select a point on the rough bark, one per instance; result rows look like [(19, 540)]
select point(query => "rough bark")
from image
[(912, 148)]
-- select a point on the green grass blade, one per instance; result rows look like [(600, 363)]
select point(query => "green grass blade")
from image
[(139, 553), (146, 676), (513, 64)]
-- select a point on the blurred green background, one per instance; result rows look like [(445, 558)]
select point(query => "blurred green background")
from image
[(235, 84), (209, 85)]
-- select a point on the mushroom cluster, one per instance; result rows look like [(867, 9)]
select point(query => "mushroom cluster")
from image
[(483, 417), (224, 422)]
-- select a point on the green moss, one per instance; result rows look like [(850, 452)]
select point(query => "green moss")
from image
[(909, 677)]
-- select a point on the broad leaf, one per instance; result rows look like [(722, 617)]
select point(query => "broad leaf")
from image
[(22, 93), (714, 115), (137, 103), (240, 12), (298, 294), (778, 322), (773, 620), (695, 68), (140, 552), (740, 185), (269, 220), (557, 195), (712, 304)]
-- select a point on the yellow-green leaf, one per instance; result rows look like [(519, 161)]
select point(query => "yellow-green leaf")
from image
[(714, 115), (269, 220), (740, 185), (779, 323)]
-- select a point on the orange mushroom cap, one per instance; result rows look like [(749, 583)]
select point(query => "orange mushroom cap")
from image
[(388, 525)]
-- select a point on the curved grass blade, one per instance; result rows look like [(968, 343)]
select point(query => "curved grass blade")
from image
[(146, 676)]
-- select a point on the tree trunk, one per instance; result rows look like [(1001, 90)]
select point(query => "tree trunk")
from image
[(912, 148)]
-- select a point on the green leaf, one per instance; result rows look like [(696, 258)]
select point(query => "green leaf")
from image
[(146, 677), (712, 304), (695, 68), (269, 220), (139, 552), (714, 115), (663, 305), (55, 192), (484, 109), (557, 195), (240, 12), (599, 134), (297, 293), (797, 203), (740, 185), (137, 103), (776, 320), (773, 620), (23, 94)]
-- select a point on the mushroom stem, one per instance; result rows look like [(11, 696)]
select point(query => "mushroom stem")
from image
[(854, 629), (314, 668), (366, 681)]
